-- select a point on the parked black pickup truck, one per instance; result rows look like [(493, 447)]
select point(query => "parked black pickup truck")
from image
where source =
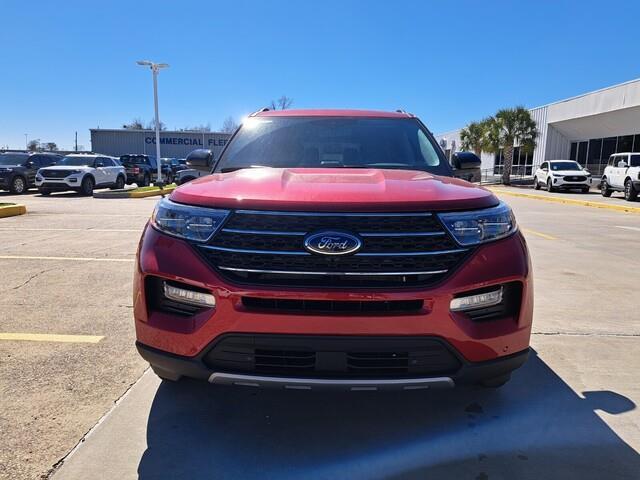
[(143, 169)]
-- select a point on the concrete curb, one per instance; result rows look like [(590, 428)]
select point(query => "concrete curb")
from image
[(568, 201), (12, 210), (132, 193)]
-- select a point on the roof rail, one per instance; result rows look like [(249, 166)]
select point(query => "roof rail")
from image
[(263, 109)]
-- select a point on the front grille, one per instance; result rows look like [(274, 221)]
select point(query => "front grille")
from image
[(56, 173), (267, 248), (332, 356), (344, 307), (574, 178)]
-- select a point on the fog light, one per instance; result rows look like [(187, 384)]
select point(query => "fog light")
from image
[(479, 300), (191, 297)]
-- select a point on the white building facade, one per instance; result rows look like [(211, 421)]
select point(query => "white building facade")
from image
[(587, 128)]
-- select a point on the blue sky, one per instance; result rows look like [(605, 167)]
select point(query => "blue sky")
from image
[(67, 65)]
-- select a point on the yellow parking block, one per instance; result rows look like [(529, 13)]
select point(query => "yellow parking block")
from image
[(568, 201), (12, 210), (48, 337)]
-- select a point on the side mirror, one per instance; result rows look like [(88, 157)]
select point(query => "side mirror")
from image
[(545, 169), (465, 161), (29, 164)]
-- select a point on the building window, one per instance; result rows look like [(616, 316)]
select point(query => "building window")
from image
[(636, 143), (522, 162), (574, 151), (608, 147), (625, 144), (595, 151), (582, 152)]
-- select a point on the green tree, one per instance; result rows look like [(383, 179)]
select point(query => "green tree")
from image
[(508, 127), (474, 136)]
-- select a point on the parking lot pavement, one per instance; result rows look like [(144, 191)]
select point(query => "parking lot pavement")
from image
[(570, 412), (54, 389), (616, 200)]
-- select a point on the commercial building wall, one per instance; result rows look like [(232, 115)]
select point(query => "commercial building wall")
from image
[(118, 142)]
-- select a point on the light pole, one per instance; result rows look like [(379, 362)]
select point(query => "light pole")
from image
[(155, 68), (26, 141)]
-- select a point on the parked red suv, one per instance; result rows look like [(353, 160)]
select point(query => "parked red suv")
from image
[(333, 248)]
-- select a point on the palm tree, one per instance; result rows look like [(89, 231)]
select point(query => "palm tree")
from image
[(474, 136), (507, 127)]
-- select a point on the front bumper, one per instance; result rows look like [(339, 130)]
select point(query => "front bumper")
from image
[(61, 184), (163, 335), (560, 182), (470, 373)]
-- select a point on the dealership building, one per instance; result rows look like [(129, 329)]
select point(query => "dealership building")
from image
[(587, 128), (118, 142)]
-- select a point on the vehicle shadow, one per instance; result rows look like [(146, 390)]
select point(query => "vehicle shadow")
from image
[(534, 427)]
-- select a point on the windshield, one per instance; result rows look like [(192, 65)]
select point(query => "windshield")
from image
[(77, 161), (332, 142), (557, 166), (13, 158)]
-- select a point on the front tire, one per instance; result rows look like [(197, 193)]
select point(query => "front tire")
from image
[(585, 190), (604, 188), (630, 193), (18, 185), (550, 186), (44, 191), (146, 180), (119, 185), (86, 188), (536, 183)]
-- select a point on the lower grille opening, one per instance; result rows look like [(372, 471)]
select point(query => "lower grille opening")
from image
[(348, 307), (156, 300), (332, 356), (509, 307)]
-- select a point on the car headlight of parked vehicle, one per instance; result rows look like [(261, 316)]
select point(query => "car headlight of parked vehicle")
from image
[(480, 226), (191, 223)]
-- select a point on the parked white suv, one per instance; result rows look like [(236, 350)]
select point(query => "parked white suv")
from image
[(562, 175), (622, 174), (81, 172)]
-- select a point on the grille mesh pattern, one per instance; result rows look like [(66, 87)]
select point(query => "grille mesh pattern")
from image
[(326, 356), (397, 250)]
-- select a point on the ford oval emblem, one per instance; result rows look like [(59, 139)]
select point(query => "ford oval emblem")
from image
[(332, 243)]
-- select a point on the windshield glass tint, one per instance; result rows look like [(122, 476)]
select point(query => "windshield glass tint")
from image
[(556, 166), (12, 158), (77, 161), (335, 142)]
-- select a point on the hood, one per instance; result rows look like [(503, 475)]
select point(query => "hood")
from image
[(66, 167), (333, 189), (568, 172), (11, 166)]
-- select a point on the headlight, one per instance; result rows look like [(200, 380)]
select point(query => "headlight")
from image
[(472, 228), (184, 221), (75, 172)]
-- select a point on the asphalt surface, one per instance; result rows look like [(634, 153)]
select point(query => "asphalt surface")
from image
[(569, 413)]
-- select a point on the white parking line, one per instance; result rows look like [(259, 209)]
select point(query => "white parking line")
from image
[(635, 229), (75, 259), (48, 337)]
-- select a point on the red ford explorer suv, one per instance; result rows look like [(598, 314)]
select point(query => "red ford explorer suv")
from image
[(333, 249)]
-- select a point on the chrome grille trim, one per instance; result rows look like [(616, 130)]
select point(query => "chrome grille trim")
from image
[(360, 274), (334, 214), (261, 232), (371, 254)]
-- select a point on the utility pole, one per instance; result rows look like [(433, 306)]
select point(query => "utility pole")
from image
[(76, 140), (26, 141), (155, 68)]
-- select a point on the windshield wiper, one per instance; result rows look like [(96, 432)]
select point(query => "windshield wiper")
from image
[(233, 169)]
